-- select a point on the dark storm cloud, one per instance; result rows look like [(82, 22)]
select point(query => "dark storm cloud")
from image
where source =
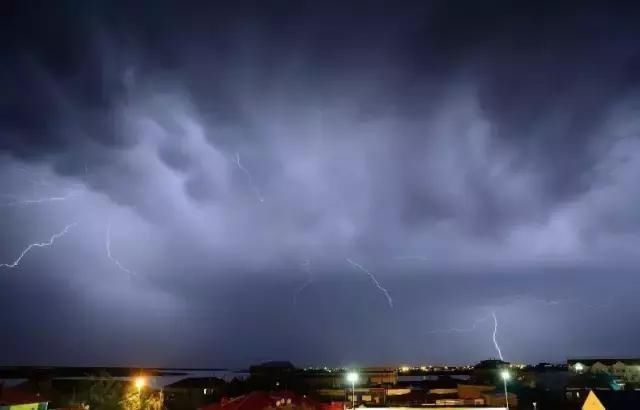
[(227, 144)]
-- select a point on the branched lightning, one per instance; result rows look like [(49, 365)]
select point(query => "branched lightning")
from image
[(495, 331), (40, 200), (39, 245), (306, 266), (374, 280), (494, 338), (250, 178), (110, 256), (562, 301), (495, 343)]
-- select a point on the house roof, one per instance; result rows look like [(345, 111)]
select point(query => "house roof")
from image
[(251, 401), (608, 361), (15, 395), (414, 397), (258, 400), (619, 400)]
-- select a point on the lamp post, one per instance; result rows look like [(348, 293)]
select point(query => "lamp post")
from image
[(352, 377), (504, 374)]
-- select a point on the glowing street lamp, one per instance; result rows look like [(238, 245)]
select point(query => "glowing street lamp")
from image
[(140, 382), (505, 375), (352, 377), (579, 367)]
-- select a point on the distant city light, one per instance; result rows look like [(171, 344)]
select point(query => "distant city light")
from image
[(579, 367), (404, 369)]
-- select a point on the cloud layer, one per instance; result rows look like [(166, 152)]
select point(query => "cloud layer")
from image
[(226, 146)]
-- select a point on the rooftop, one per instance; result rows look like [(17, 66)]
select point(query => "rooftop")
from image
[(260, 400), (622, 400), (15, 395), (608, 361)]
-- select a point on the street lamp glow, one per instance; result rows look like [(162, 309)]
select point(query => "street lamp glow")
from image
[(505, 375), (140, 382), (352, 377), (579, 367)]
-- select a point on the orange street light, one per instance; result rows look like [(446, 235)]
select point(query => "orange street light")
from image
[(140, 382)]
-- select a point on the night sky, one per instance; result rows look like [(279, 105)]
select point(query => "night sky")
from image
[(218, 184)]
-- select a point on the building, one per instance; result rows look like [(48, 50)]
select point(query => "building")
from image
[(273, 375), (488, 371), (336, 379), (15, 398), (474, 391), (379, 376), (363, 394), (193, 392), (321, 378), (548, 377), (627, 369), (498, 399), (259, 400), (624, 373)]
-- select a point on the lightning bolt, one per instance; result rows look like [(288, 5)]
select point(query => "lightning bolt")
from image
[(39, 245), (495, 332), (250, 178), (40, 200), (495, 343), (374, 280), (562, 301), (306, 266), (110, 256)]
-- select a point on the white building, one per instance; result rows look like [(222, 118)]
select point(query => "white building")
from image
[(623, 369)]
